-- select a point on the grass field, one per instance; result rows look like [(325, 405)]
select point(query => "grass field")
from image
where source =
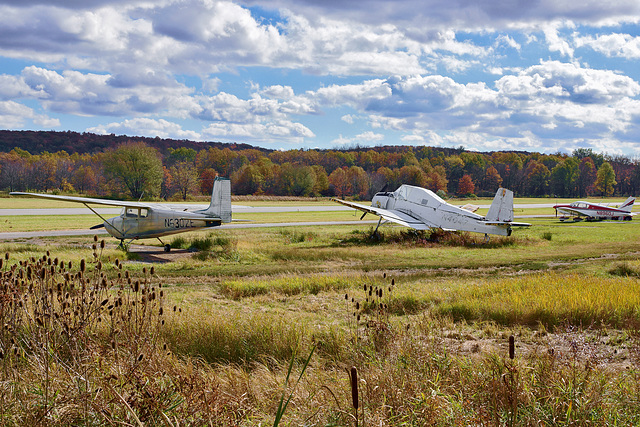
[(205, 336)]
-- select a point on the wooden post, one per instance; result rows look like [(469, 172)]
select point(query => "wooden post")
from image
[(512, 347), (354, 391)]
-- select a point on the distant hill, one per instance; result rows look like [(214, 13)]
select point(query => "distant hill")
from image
[(37, 142)]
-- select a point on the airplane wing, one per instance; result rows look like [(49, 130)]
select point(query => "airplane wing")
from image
[(569, 211), (508, 224), (389, 215), (84, 200)]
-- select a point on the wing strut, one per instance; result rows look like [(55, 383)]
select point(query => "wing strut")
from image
[(104, 220)]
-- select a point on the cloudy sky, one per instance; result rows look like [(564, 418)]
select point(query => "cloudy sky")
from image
[(534, 75)]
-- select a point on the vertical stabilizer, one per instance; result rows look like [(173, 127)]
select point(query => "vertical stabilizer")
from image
[(501, 209), (220, 200), (628, 204)]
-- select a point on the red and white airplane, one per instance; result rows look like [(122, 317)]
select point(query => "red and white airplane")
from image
[(596, 212)]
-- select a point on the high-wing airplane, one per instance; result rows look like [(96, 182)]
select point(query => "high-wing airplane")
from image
[(596, 212), (145, 221), (422, 209)]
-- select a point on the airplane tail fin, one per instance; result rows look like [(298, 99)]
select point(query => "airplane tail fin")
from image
[(628, 204), (501, 209), (220, 200)]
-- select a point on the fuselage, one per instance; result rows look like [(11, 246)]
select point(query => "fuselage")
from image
[(152, 222), (428, 207), (592, 210)]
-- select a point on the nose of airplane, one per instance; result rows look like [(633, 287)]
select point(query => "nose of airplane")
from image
[(113, 227)]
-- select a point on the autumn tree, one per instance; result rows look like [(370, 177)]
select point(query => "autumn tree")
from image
[(537, 178), (587, 178), (492, 179), (466, 186), (135, 168), (359, 181), (85, 179), (185, 178), (437, 179), (207, 176), (340, 182)]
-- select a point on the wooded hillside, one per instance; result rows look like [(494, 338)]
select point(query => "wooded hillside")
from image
[(121, 166)]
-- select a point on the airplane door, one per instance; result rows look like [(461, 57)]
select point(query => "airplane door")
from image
[(132, 220)]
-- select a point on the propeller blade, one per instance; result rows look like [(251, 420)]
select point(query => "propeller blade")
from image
[(97, 226), (363, 216)]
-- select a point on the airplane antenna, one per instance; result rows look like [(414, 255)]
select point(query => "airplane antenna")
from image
[(141, 196)]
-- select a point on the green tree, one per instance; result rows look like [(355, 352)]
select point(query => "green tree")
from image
[(322, 180), (247, 180), (606, 179), (135, 168), (180, 155), (564, 177), (295, 180)]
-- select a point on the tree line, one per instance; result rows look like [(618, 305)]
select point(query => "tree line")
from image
[(141, 170)]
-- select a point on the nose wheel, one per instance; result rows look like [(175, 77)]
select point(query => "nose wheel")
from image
[(167, 247)]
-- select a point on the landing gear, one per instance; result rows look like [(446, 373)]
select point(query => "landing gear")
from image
[(167, 247), (375, 234), (124, 246)]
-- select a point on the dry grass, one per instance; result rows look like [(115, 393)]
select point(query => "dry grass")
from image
[(94, 342)]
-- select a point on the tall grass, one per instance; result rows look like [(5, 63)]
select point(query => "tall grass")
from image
[(550, 299), (89, 343)]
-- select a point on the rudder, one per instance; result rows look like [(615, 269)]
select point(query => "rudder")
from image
[(628, 204), (220, 200), (501, 209)]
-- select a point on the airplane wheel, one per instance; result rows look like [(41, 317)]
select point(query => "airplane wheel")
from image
[(167, 247)]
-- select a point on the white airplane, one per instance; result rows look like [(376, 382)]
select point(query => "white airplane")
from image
[(145, 221), (596, 212), (422, 209)]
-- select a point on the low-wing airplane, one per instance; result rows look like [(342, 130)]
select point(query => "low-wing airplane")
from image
[(596, 212), (422, 209), (146, 221)]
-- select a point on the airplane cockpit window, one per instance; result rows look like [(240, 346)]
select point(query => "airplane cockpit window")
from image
[(402, 192), (136, 212)]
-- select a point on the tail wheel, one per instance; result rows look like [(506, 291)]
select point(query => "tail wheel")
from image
[(167, 247)]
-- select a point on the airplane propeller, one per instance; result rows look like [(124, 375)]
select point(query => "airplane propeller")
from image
[(97, 226)]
